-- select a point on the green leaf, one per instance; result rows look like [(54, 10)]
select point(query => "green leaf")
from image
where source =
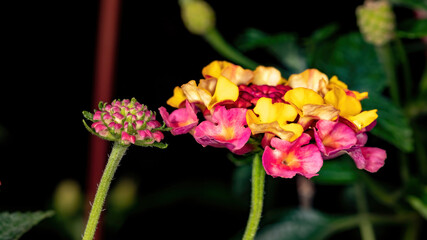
[(323, 33), (353, 61), (14, 225), (419, 205), (89, 128), (337, 171), (283, 46), (415, 4), (88, 115), (392, 124), (413, 29)]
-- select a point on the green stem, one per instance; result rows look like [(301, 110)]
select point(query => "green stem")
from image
[(350, 222), (113, 162), (386, 59), (379, 193), (407, 78), (214, 38), (366, 229), (258, 178)]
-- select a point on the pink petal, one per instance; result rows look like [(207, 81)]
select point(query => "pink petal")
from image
[(375, 158), (291, 158), (358, 158), (369, 158), (227, 129), (181, 120), (127, 138), (332, 137)]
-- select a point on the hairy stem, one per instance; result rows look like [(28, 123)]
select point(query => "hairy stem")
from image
[(113, 162), (258, 178)]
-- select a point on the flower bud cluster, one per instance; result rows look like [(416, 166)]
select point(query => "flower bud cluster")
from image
[(376, 22), (126, 121)]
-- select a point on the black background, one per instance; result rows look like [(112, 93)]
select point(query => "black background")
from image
[(47, 83)]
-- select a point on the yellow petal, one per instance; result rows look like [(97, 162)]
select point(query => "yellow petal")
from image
[(360, 96), (208, 84), (214, 69), (225, 90), (267, 76), (295, 128), (274, 127), (310, 78), (237, 74), (348, 106), (195, 94), (269, 112), (177, 98), (364, 118), (336, 82), (324, 112), (303, 96)]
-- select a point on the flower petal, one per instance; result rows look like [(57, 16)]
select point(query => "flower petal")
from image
[(177, 98), (310, 78), (289, 159), (364, 118), (332, 137), (269, 112), (348, 106), (267, 76), (303, 96), (214, 69), (369, 158), (182, 120), (227, 129), (225, 90), (324, 112)]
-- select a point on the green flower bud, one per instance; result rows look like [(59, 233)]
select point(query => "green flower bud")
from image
[(376, 22), (67, 199), (124, 194), (197, 15)]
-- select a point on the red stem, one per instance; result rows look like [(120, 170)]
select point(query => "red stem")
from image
[(106, 48)]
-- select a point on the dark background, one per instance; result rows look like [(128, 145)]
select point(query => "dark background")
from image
[(47, 83)]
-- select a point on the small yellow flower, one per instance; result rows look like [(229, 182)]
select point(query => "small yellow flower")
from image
[(275, 118), (350, 108)]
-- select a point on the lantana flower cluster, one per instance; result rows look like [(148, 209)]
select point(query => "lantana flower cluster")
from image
[(297, 122), (127, 122)]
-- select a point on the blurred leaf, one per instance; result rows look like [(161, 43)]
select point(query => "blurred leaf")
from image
[(14, 225), (283, 46), (296, 224), (240, 160), (353, 61), (338, 171), (392, 124), (323, 33), (416, 195), (422, 4), (241, 180), (418, 205), (413, 29)]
